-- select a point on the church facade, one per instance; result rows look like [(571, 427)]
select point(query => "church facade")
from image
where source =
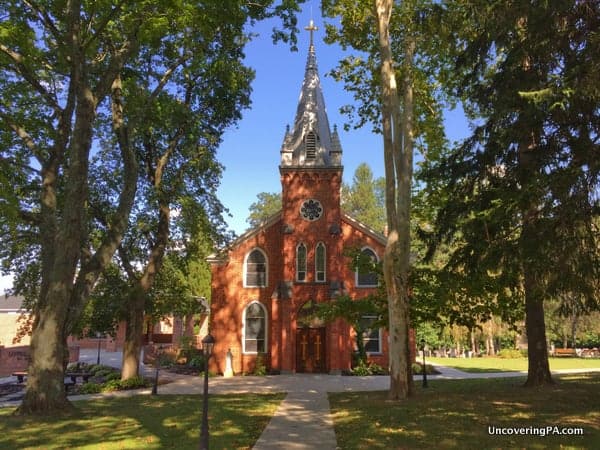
[(266, 284)]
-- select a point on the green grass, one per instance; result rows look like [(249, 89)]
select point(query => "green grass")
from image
[(457, 413), (143, 422), (494, 364)]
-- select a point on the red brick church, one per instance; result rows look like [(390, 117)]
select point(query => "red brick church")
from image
[(265, 285)]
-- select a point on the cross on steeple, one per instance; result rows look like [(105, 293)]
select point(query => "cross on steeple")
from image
[(311, 28)]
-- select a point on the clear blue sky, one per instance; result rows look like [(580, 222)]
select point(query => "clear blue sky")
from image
[(250, 152)]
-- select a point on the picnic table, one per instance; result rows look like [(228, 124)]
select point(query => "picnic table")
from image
[(20, 375), (85, 376)]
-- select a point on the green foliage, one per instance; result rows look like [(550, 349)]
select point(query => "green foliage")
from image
[(364, 200), (197, 362), (509, 353), (121, 385), (363, 369), (260, 368), (266, 205), (114, 117), (89, 388), (417, 369)]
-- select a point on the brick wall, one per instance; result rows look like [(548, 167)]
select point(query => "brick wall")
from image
[(17, 358)]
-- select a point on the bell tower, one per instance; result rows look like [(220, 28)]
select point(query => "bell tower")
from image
[(311, 175)]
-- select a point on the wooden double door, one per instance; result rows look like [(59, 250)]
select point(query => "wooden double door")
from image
[(310, 350)]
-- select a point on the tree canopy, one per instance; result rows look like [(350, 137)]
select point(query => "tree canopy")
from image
[(519, 198), (76, 75)]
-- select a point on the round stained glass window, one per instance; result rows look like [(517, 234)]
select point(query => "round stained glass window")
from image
[(311, 209)]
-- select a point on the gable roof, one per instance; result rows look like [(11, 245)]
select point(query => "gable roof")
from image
[(379, 237), (220, 256)]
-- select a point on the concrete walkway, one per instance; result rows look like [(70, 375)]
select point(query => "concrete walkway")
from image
[(303, 420)]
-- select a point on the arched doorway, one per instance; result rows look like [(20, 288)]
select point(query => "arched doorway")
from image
[(310, 340)]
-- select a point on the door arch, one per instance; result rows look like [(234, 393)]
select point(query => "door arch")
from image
[(310, 340)]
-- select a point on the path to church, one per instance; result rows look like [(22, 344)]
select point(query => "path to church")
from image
[(303, 419)]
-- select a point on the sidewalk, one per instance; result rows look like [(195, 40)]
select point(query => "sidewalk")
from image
[(303, 420)]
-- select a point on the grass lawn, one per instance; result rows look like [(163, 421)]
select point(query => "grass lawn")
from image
[(143, 422), (457, 414), (493, 364)]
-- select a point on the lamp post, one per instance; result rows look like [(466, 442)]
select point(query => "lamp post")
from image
[(157, 361), (424, 365), (99, 338), (207, 346)]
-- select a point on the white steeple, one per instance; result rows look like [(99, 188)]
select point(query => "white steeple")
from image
[(310, 142)]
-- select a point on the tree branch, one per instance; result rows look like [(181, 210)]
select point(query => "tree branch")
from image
[(29, 76), (24, 135), (46, 19)]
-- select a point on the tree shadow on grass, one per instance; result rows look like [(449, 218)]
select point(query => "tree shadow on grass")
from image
[(459, 414), (144, 422)]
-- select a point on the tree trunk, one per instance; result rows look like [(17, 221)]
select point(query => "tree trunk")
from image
[(397, 138), (132, 347), (133, 333), (538, 372), (49, 355)]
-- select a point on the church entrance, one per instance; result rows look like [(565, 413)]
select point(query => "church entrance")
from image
[(310, 340), (310, 350)]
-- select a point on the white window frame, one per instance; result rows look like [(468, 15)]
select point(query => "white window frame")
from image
[(244, 275), (356, 280), (301, 244), (244, 351), (317, 271), (379, 337)]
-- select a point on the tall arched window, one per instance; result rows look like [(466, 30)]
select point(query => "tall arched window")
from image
[(255, 269), (254, 333), (366, 276), (301, 262), (320, 256)]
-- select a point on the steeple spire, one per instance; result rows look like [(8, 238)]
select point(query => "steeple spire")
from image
[(310, 142)]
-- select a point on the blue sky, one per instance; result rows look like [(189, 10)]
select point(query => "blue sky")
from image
[(250, 152)]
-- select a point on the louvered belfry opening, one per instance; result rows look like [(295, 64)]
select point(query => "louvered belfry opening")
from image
[(310, 142)]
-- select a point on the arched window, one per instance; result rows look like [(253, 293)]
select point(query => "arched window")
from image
[(320, 255), (254, 333), (255, 269), (310, 144), (301, 262), (366, 276)]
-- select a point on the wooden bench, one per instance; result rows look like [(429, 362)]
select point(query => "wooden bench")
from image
[(565, 352), (20, 375)]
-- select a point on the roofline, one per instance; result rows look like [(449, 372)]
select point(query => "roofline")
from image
[(221, 256), (379, 237)]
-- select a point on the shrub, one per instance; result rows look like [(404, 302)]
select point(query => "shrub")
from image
[(133, 383), (112, 376), (260, 368), (197, 362), (417, 369), (365, 369), (121, 385), (78, 367), (90, 388), (509, 353)]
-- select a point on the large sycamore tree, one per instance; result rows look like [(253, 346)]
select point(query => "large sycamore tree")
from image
[(385, 38), (519, 198), (67, 75)]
